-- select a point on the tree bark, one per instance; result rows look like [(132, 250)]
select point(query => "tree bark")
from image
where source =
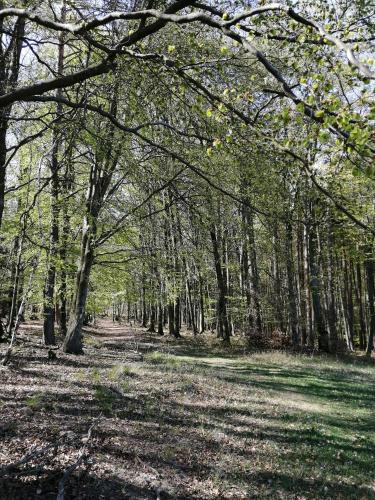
[(315, 290), (49, 288), (73, 340), (332, 318), (292, 294), (223, 325), (369, 265)]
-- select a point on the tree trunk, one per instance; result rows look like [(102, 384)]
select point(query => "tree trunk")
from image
[(348, 304), (278, 300), (223, 325), (202, 325), (151, 328), (49, 288), (315, 290), (369, 265), (292, 298), (160, 318), (144, 305), (177, 318), (171, 311), (73, 340), (361, 312), (9, 72), (191, 308), (332, 319)]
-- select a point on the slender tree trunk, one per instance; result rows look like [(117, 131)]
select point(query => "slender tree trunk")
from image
[(10, 56), (191, 308), (171, 324), (177, 317), (302, 284), (9, 72), (292, 294), (361, 312), (16, 281), (369, 265), (202, 325), (254, 272), (348, 304), (49, 288), (144, 304), (278, 301), (223, 325), (160, 318), (315, 290), (332, 319), (63, 276)]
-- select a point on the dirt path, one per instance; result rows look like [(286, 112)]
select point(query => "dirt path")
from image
[(115, 384)]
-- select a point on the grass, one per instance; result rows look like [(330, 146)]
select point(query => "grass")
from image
[(105, 398), (197, 422), (287, 424), (119, 372), (162, 358), (35, 401)]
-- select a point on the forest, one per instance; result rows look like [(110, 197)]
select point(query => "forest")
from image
[(187, 267)]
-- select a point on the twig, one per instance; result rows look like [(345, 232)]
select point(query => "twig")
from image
[(83, 455)]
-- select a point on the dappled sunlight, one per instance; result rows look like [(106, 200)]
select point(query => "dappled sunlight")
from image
[(231, 426)]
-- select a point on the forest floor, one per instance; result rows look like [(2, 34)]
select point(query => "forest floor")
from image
[(145, 417)]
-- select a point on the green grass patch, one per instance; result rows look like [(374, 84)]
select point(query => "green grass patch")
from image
[(119, 372), (162, 358), (36, 401), (299, 426), (105, 398)]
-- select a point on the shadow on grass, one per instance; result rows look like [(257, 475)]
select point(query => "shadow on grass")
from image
[(268, 449)]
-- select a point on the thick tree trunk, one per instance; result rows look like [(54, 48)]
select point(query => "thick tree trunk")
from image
[(151, 328), (73, 340)]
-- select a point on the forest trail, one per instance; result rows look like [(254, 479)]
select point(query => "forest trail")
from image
[(148, 417)]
